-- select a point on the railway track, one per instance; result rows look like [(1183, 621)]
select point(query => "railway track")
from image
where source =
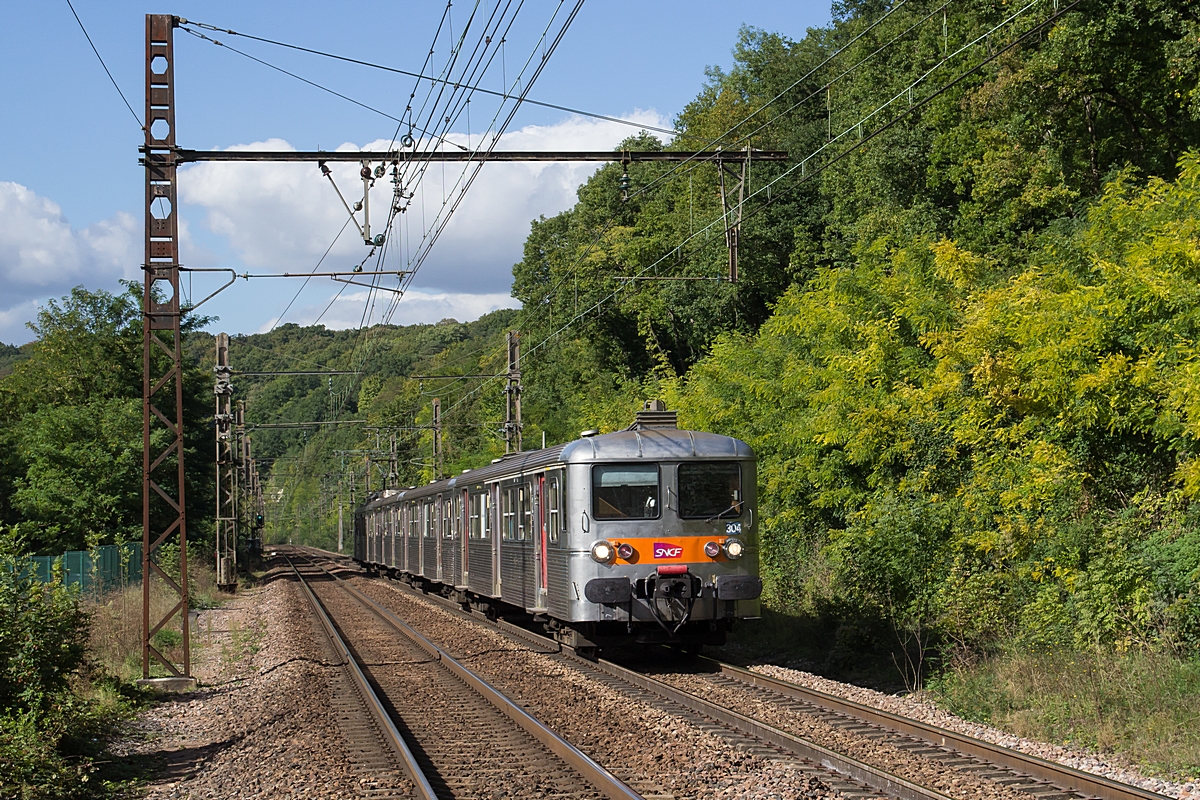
[(1043, 779), (1033, 777), (848, 776), (455, 735)]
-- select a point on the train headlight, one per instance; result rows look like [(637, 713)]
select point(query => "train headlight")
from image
[(603, 552), (625, 550), (712, 549), (734, 548)]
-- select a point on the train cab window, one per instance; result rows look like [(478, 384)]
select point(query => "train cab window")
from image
[(625, 491), (508, 514), (710, 490), (525, 531), (554, 508)]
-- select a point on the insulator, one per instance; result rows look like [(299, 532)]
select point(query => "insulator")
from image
[(379, 170), (365, 172), (378, 239), (324, 167), (358, 205)]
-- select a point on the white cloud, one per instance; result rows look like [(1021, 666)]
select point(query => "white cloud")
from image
[(284, 216), (13, 329), (42, 256), (414, 308)]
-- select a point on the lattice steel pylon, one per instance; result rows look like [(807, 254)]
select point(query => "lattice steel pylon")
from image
[(164, 509), (227, 470)]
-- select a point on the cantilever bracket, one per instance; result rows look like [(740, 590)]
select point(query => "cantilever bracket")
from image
[(232, 278)]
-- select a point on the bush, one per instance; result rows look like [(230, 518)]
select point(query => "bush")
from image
[(48, 732)]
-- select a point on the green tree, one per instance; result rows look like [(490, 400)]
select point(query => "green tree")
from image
[(70, 417)]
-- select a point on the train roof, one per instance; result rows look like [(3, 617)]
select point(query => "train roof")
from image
[(653, 442)]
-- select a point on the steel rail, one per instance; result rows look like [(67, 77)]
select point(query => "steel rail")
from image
[(603, 780), (424, 790), (893, 785), (1068, 778), (831, 761)]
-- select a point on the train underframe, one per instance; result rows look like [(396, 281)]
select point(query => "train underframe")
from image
[(587, 638)]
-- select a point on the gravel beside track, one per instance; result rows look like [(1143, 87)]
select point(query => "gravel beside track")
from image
[(656, 753), (261, 724), (925, 711)]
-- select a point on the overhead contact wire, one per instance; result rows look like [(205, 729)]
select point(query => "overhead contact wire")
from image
[(419, 76)]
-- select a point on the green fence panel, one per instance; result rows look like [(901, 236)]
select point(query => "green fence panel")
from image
[(97, 571), (44, 567), (73, 570), (133, 562)]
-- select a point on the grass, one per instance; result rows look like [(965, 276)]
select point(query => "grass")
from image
[(116, 631), (1140, 705)]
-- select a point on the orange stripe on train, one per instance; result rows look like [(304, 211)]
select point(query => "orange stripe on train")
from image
[(668, 549)]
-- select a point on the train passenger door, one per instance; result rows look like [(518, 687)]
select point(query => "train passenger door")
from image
[(391, 535), (422, 536), (465, 553), (438, 533), (494, 517), (539, 542)]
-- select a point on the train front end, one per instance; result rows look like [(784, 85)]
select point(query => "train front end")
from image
[(666, 545)]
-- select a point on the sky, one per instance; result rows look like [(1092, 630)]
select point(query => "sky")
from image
[(71, 190)]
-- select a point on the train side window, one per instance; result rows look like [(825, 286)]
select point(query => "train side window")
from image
[(412, 520), (508, 514), (625, 491), (486, 505), (525, 532), (427, 520), (554, 508), (475, 516), (447, 519), (458, 515)]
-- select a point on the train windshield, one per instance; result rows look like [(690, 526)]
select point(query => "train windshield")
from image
[(625, 491), (710, 491)]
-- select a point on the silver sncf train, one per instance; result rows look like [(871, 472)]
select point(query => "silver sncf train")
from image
[(643, 535)]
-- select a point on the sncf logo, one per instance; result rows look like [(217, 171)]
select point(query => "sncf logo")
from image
[(667, 550)]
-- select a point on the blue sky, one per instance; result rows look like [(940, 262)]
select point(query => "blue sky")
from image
[(71, 189)]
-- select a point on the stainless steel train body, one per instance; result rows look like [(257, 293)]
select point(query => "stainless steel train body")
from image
[(643, 535)]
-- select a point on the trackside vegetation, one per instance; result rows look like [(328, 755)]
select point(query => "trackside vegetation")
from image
[(56, 707), (965, 352)]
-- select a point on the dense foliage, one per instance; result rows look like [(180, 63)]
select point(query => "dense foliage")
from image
[(310, 469), (71, 426), (1016, 461), (963, 349), (48, 733)]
